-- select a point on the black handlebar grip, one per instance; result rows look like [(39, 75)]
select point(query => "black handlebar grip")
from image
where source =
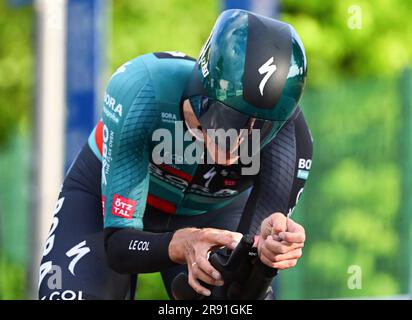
[(259, 280), (240, 253), (230, 266), (225, 263), (181, 289)]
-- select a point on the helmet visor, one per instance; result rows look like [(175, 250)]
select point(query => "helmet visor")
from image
[(228, 128)]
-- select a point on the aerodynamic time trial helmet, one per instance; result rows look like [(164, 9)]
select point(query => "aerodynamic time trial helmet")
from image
[(252, 69)]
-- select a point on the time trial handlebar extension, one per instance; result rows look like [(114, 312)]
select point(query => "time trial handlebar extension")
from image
[(245, 276)]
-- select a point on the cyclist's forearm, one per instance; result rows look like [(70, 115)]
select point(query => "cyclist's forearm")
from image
[(133, 251)]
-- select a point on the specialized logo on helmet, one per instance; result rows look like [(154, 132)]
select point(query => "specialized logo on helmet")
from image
[(269, 69)]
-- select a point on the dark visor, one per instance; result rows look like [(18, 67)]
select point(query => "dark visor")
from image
[(216, 115)]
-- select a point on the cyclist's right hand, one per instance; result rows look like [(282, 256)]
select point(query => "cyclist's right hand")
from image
[(192, 246)]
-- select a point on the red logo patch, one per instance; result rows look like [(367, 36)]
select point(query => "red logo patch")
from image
[(229, 183), (103, 203), (123, 207)]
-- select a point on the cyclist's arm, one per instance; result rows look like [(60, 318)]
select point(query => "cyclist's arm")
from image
[(128, 120), (285, 164)]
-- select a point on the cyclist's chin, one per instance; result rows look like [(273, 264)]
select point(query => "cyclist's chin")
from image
[(223, 158)]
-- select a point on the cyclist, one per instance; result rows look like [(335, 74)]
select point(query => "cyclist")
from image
[(122, 211)]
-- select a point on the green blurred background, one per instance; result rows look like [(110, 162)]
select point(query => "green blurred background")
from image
[(356, 207)]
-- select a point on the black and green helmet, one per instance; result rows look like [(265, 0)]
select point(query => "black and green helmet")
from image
[(251, 66)]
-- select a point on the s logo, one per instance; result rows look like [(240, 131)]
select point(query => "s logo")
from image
[(267, 69)]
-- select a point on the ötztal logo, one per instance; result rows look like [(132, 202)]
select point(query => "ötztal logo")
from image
[(123, 207)]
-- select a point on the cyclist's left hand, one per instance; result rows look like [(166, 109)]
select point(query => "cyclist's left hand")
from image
[(280, 242)]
